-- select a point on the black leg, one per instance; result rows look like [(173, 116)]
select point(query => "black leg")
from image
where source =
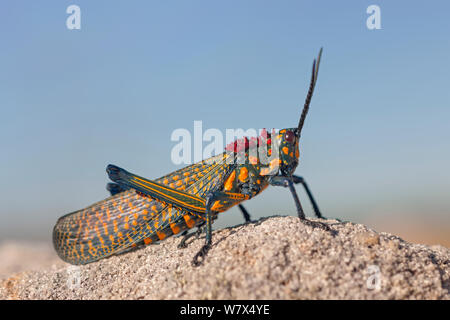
[(287, 182), (210, 200), (300, 212), (245, 213), (115, 188), (296, 180), (187, 236), (204, 250)]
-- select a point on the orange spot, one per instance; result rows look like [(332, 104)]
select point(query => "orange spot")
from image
[(120, 235), (297, 153), (97, 231), (275, 163), (134, 223), (126, 226), (189, 221), (147, 241), (243, 174), (172, 185), (145, 212), (153, 208), (186, 174), (115, 226), (93, 251), (161, 235), (252, 160), (285, 150), (105, 228), (166, 181), (86, 233), (216, 206), (175, 178), (111, 237), (229, 181), (175, 228), (179, 183)]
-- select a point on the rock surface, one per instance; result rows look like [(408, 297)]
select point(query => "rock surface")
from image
[(274, 258)]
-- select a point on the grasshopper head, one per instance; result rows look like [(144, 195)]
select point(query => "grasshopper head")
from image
[(288, 150)]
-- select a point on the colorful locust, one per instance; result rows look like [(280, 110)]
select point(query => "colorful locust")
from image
[(141, 211)]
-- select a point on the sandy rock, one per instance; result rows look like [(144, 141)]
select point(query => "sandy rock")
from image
[(274, 258), (19, 256)]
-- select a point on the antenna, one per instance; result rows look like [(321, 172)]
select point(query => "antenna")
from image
[(314, 74)]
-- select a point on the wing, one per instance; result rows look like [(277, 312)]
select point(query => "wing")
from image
[(197, 179), (128, 218), (108, 227)]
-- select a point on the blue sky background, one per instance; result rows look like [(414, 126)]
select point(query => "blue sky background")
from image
[(376, 143)]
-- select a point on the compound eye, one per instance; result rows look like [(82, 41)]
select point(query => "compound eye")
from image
[(289, 136)]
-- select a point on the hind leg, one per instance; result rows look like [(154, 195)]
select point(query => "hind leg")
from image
[(115, 188), (187, 236)]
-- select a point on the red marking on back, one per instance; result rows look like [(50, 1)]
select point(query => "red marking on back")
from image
[(244, 143)]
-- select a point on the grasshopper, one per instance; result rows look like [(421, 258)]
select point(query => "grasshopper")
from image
[(141, 211)]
